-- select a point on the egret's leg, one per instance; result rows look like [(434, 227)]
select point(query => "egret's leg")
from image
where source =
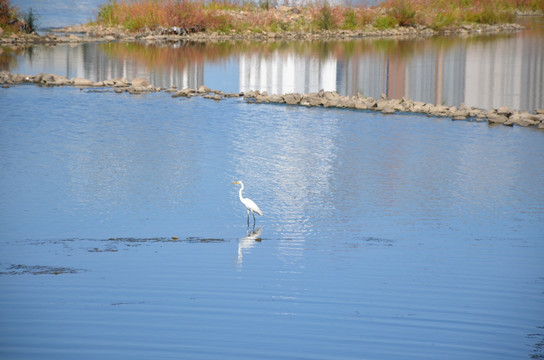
[(248, 218), (252, 213)]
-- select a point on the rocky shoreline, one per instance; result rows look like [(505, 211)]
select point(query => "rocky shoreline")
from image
[(327, 99), (98, 33)]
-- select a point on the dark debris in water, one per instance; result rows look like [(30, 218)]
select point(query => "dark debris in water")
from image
[(108, 249), (538, 350), (191, 239), (373, 241), (127, 303), (20, 269)]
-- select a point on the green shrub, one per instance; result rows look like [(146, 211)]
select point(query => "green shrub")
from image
[(324, 20), (134, 24), (106, 13), (350, 20), (403, 11), (385, 22), (443, 19)]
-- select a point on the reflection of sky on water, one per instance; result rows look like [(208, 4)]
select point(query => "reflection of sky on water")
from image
[(289, 158), (485, 72), (366, 217)]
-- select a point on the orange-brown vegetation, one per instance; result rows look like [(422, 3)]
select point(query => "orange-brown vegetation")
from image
[(230, 16)]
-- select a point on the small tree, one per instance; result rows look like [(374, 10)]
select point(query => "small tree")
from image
[(31, 19)]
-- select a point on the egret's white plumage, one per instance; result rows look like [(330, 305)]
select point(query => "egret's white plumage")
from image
[(248, 203)]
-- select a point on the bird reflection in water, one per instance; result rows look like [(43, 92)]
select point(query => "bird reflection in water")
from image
[(246, 243)]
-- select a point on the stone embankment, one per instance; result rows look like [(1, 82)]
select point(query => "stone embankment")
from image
[(98, 33), (327, 99), (119, 85), (502, 115)]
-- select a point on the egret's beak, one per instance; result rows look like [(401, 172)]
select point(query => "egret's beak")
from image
[(234, 183)]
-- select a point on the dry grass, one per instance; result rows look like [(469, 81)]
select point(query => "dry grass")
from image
[(8, 13), (231, 16)]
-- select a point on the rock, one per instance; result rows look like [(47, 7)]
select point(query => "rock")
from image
[(275, 99), (120, 82), (204, 89), (439, 110), (213, 97), (460, 114), (381, 104), (314, 99), (526, 122), (43, 78), (262, 99), (17, 78), (292, 99), (331, 102), (418, 107), (59, 80), (185, 93), (496, 119), (388, 110), (140, 82), (140, 85), (361, 105), (345, 102), (331, 95), (504, 110), (252, 94), (81, 82)]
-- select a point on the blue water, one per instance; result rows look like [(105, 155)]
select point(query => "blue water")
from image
[(383, 237)]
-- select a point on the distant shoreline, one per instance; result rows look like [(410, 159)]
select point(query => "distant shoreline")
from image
[(328, 99), (100, 33)]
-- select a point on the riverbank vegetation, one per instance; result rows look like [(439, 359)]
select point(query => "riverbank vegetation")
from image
[(12, 20), (230, 16)]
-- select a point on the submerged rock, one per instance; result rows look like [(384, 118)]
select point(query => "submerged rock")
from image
[(80, 82)]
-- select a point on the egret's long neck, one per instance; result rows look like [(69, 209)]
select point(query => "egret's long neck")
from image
[(240, 192)]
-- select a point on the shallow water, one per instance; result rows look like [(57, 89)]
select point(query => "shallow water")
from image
[(382, 236)]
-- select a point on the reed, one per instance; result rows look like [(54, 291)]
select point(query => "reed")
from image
[(262, 15)]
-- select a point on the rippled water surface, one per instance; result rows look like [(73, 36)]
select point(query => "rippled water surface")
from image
[(383, 237)]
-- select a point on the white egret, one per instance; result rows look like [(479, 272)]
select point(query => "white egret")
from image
[(248, 203)]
